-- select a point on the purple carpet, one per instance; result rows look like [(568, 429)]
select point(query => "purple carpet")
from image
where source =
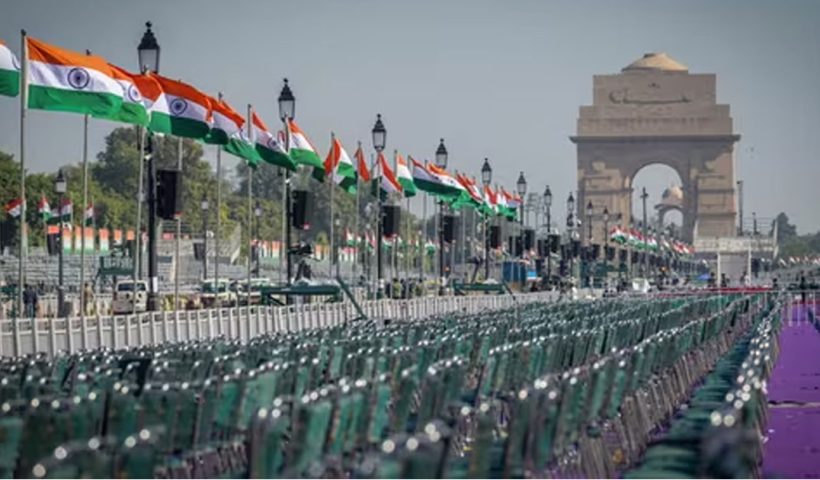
[(793, 446)]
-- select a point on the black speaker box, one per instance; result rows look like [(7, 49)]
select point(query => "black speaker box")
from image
[(302, 201), (542, 245), (448, 227), (495, 236), (391, 220), (53, 243), (555, 243), (594, 251), (529, 239), (169, 194), (575, 250), (199, 251)]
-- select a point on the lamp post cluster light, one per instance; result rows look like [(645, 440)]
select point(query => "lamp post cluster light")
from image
[(441, 162)]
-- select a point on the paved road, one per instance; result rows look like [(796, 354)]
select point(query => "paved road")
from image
[(793, 446)]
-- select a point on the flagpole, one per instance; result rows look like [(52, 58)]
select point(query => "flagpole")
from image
[(356, 234), (136, 257), (83, 227), (250, 219), (176, 246), (423, 240), (21, 257), (330, 185), (406, 246), (217, 300)]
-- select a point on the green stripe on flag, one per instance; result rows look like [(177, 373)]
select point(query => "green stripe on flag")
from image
[(132, 113), (56, 99), (275, 158), (216, 137), (408, 187), (9, 83), (179, 126), (306, 157), (243, 150)]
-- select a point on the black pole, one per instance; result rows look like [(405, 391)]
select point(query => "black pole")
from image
[(549, 247), (153, 283), (61, 288), (645, 256), (486, 248), (287, 227), (441, 247), (379, 233), (606, 252), (205, 244), (256, 256)]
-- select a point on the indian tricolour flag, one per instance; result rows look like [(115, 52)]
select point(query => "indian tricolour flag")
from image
[(405, 177), (225, 122), (491, 199), (43, 208), (617, 234), (361, 165), (138, 94), (233, 126), (389, 183), (507, 204), (303, 152), (339, 165), (89, 215), (9, 72), (470, 196), (14, 207), (428, 178), (180, 110), (68, 81), (269, 146)]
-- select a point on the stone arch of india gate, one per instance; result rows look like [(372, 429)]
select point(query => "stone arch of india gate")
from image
[(656, 112)]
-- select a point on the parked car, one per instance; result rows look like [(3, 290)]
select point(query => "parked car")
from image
[(130, 296), (212, 289), (241, 289)]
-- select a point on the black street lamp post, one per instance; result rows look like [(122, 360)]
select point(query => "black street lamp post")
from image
[(441, 162), (570, 231), (521, 185), (148, 57), (606, 246), (379, 142), (204, 205), (547, 211), (521, 188), (257, 212), (486, 179), (287, 111), (644, 196), (588, 260), (60, 188)]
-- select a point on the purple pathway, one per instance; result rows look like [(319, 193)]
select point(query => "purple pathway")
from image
[(793, 446)]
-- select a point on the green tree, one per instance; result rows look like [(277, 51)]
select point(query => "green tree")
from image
[(785, 230)]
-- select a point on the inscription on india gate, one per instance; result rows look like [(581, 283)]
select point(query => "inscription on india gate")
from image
[(656, 112)]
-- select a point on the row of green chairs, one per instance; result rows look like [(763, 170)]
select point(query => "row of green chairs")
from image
[(208, 394), (719, 433)]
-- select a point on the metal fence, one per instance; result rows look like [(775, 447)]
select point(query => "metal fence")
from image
[(54, 335)]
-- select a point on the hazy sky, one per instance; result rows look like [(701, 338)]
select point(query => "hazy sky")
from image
[(497, 79)]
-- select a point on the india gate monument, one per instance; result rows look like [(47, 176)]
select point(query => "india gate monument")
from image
[(656, 112)]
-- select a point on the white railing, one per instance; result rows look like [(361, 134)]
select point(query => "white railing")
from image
[(52, 335)]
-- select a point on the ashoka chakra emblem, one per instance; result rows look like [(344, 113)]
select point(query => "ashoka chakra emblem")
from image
[(178, 106), (134, 94), (78, 78), (273, 143)]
